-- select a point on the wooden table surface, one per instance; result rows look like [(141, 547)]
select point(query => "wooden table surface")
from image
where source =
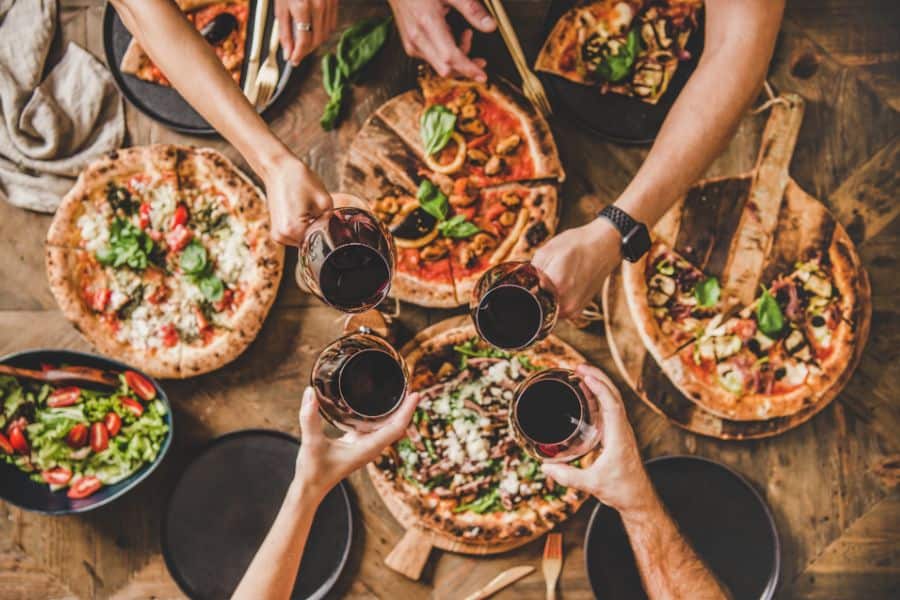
[(832, 483)]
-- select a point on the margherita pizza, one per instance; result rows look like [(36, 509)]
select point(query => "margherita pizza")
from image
[(223, 23), (459, 469), (161, 257), (630, 48), (464, 176)]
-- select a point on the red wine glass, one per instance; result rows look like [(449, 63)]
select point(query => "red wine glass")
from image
[(514, 305), (347, 259), (554, 417), (360, 381)]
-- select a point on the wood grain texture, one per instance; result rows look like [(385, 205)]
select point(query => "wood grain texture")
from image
[(829, 482)]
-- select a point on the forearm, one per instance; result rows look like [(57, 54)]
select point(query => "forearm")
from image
[(169, 39), (272, 572), (668, 565), (740, 37)]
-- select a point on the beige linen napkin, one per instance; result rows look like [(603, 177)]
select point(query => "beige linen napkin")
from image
[(50, 128)]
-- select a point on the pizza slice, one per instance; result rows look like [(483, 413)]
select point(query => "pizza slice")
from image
[(222, 23)]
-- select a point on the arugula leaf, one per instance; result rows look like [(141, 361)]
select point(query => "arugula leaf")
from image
[(527, 364), (436, 127), (128, 245), (486, 503), (471, 348), (615, 67), (707, 292), (360, 43), (429, 447), (458, 227), (432, 200), (211, 287), (768, 315), (193, 258)]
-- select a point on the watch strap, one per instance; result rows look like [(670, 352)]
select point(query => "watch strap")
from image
[(619, 218)]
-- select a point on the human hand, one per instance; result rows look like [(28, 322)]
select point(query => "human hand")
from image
[(322, 462), (321, 15), (577, 261), (296, 197), (426, 35), (617, 478)]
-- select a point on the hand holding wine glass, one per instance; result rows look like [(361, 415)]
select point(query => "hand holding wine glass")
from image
[(296, 198)]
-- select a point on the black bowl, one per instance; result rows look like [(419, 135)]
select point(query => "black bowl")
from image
[(17, 488)]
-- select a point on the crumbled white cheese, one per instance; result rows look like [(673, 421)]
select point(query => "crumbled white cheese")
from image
[(233, 259), (162, 206), (795, 373), (94, 231), (510, 483)]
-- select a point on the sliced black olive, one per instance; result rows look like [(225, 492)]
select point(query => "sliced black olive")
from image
[(818, 321), (219, 28), (417, 224), (753, 344), (780, 372)]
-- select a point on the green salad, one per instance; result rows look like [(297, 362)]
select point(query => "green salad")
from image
[(77, 438)]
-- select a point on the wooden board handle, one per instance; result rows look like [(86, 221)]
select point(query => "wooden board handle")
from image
[(410, 554)]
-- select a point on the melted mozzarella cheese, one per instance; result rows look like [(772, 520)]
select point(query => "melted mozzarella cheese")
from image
[(162, 206)]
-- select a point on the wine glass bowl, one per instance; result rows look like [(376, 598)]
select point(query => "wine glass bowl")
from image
[(347, 259), (360, 380), (554, 417), (514, 305)]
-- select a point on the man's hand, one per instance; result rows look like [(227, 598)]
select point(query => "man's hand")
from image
[(577, 261), (321, 15), (426, 35), (296, 198), (617, 478), (322, 462)]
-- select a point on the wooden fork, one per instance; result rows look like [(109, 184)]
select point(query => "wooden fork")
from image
[(267, 79), (552, 563)]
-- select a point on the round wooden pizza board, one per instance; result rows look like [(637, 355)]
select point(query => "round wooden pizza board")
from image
[(411, 553), (708, 226)]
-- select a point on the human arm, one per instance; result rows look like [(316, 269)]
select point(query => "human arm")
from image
[(740, 38), (295, 194), (668, 565), (425, 33), (321, 464)]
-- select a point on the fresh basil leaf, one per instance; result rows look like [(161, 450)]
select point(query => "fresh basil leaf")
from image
[(360, 43), (482, 504), (105, 255), (707, 292), (768, 315), (615, 67), (212, 288), (458, 228), (436, 128), (332, 77), (193, 258), (432, 200), (128, 246)]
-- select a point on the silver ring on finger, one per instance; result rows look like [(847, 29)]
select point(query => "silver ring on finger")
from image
[(305, 27)]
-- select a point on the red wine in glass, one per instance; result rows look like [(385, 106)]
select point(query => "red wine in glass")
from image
[(360, 380), (514, 305), (554, 417), (347, 259)]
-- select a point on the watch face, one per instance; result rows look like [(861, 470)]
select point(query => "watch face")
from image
[(636, 243)]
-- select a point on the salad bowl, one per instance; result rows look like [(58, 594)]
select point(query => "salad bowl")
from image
[(17, 486)]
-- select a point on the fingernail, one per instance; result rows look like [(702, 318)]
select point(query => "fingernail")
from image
[(285, 54), (308, 394), (486, 21)]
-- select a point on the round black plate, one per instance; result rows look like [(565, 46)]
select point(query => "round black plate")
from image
[(162, 103), (18, 489), (722, 515), (617, 118), (224, 504)]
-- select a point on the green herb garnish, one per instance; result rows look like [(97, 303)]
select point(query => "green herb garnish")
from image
[(707, 292), (193, 258), (457, 227), (768, 315), (615, 67), (436, 128), (488, 502), (128, 245)]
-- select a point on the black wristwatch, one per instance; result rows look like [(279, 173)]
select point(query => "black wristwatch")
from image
[(635, 237)]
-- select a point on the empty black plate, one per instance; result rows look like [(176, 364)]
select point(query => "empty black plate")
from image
[(615, 117), (224, 504), (164, 104), (722, 515)]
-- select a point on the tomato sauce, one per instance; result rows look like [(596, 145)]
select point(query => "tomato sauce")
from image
[(408, 261)]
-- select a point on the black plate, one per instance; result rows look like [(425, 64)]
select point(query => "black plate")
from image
[(722, 515), (162, 103), (618, 118), (224, 504), (18, 489)]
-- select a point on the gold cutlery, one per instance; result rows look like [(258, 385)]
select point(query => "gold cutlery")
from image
[(267, 80), (552, 563), (499, 582), (64, 375), (259, 27)]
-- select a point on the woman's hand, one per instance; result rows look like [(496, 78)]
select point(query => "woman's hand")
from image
[(323, 462), (426, 35), (577, 261), (296, 198), (320, 15), (617, 478)]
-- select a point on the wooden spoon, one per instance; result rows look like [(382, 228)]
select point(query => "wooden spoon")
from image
[(64, 375)]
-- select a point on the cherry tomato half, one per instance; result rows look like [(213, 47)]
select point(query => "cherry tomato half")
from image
[(57, 476), (144, 215), (180, 217), (169, 335), (84, 487), (21, 423), (113, 423), (178, 238), (140, 385), (5, 445), (133, 406), (99, 437), (66, 396), (77, 436), (100, 298), (18, 440)]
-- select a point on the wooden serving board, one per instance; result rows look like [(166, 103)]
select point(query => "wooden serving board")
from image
[(411, 553), (746, 230)]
